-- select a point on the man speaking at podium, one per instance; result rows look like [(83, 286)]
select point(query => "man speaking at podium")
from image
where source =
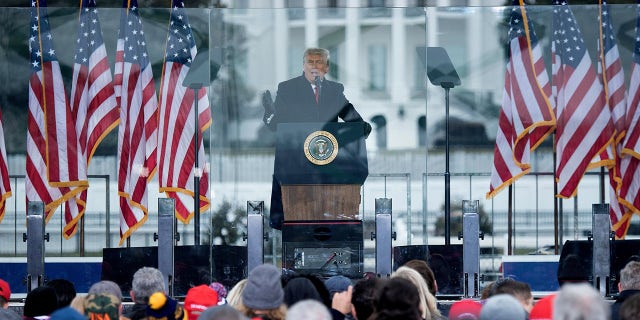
[(309, 97)]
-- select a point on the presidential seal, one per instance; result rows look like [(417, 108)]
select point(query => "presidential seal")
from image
[(320, 147)]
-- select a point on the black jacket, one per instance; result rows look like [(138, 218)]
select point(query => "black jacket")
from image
[(296, 102), (622, 297)]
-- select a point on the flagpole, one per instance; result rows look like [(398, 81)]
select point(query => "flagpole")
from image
[(510, 221), (196, 173), (555, 201)]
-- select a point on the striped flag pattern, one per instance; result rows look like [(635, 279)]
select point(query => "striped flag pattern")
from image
[(176, 158), (630, 162), (526, 117), (584, 125), (5, 183), (55, 168), (93, 102), (612, 76), (137, 135)]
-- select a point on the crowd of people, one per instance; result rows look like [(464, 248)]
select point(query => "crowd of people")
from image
[(268, 293)]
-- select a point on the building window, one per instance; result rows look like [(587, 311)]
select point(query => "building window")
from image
[(422, 131), (295, 9), (380, 131), (377, 67)]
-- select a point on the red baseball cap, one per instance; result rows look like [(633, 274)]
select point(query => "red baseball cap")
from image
[(543, 309), (199, 299), (466, 309), (5, 290)]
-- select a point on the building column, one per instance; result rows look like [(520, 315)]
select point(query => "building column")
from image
[(281, 41), (398, 84), (352, 46), (311, 27)]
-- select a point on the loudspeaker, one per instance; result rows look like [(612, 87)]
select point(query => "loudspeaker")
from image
[(229, 264), (444, 260), (576, 260), (192, 266)]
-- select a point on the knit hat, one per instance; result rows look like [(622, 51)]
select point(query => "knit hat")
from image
[(502, 307), (263, 290), (466, 309), (337, 284), (199, 299), (66, 313), (101, 304), (41, 301), (220, 289), (5, 290), (162, 307), (543, 309)]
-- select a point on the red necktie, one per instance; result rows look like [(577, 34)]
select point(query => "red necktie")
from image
[(315, 91)]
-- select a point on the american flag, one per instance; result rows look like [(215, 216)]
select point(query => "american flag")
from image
[(93, 101), (176, 157), (612, 76), (526, 117), (5, 184), (56, 170), (137, 135), (584, 125), (630, 162)]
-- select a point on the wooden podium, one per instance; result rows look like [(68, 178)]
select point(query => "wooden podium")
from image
[(321, 202), (321, 168)]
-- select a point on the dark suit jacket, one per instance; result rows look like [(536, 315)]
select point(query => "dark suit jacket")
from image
[(296, 102)]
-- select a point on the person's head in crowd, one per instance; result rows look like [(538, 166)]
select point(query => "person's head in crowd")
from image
[(318, 283), (630, 309), (199, 299), (308, 310), (234, 297), (486, 291), (65, 291), (502, 307), (221, 290), (263, 295), (5, 294), (428, 303), (101, 306), (78, 304), (396, 298), (425, 271), (466, 309), (298, 289), (337, 284), (41, 301), (8, 314), (108, 287), (579, 301), (518, 289), (66, 313), (573, 269), (222, 312), (630, 277), (162, 307), (543, 308), (362, 297), (146, 281)]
